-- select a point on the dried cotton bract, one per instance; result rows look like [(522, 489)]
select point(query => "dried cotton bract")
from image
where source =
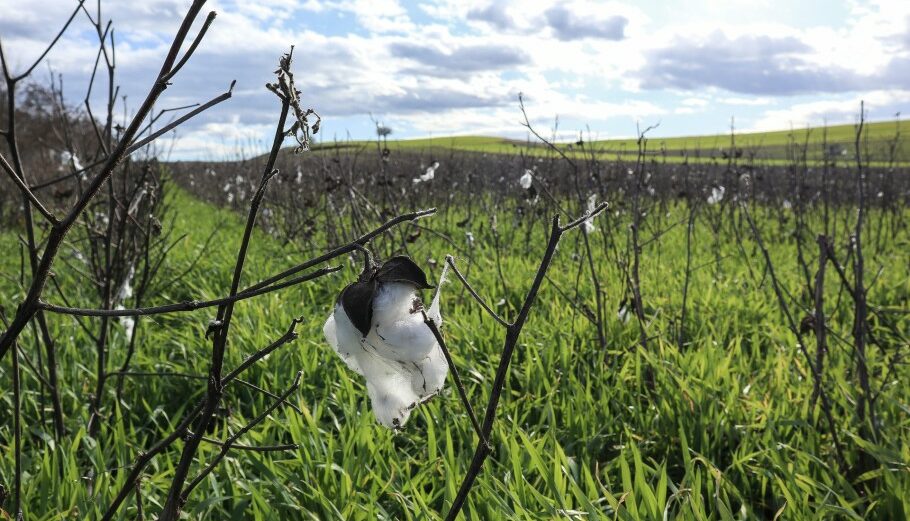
[(377, 328)]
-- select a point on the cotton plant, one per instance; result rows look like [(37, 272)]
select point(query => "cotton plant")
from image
[(126, 292), (717, 195), (69, 159), (428, 175), (377, 328), (624, 312), (526, 179), (588, 225)]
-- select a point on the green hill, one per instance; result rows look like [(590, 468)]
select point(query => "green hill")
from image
[(882, 141)]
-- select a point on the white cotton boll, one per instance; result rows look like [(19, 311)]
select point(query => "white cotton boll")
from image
[(470, 237), (68, 158), (389, 385), (398, 331), (429, 174), (230, 198), (126, 289), (717, 195), (592, 202), (128, 323), (787, 204), (526, 180), (431, 377), (227, 187), (588, 227), (623, 314), (343, 337), (400, 358)]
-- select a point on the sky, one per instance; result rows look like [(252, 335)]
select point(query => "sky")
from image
[(451, 67)]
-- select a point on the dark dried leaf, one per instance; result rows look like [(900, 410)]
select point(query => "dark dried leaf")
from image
[(402, 269), (357, 301)]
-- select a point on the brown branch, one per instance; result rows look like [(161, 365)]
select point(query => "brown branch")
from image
[(23, 187), (454, 370), (826, 404), (228, 444), (251, 448), (190, 305), (451, 262), (182, 119), (513, 332), (51, 45)]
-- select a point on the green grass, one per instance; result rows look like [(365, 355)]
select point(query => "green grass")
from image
[(726, 433), (774, 147)]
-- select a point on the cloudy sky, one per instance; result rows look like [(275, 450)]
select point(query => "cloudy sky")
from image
[(448, 67)]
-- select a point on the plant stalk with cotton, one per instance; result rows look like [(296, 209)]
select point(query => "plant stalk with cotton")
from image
[(377, 328)]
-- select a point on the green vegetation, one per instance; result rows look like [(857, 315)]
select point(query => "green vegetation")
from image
[(726, 432)]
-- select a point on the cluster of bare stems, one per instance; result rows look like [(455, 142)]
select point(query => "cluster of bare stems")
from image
[(109, 214), (813, 305), (641, 190)]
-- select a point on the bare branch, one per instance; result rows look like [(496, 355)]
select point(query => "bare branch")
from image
[(347, 248), (228, 444), (251, 448), (191, 305), (451, 262), (182, 119), (196, 41), (51, 45), (26, 192), (454, 370)]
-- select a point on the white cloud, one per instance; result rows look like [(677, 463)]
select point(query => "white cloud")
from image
[(878, 104), (733, 100), (694, 102), (461, 71)]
